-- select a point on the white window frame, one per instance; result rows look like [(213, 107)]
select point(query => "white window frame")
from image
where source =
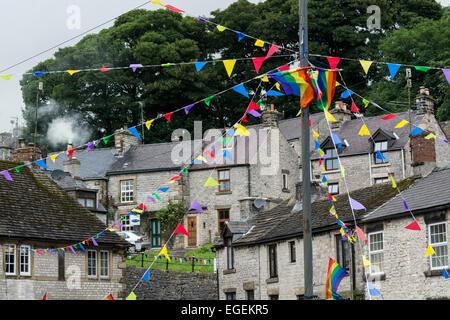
[(9, 252), (376, 252), (107, 264), (330, 185), (284, 181), (91, 276), (381, 146), (437, 244), (124, 189), (384, 178), (25, 251)]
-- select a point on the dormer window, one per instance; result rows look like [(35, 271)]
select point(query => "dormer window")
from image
[(87, 199), (381, 146)]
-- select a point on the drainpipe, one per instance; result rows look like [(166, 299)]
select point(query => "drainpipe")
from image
[(403, 163), (107, 207), (370, 168)]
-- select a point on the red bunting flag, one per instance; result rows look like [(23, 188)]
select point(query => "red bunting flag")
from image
[(361, 234), (45, 296), (143, 206), (272, 50), (283, 68), (175, 178), (257, 62), (103, 69), (168, 6), (244, 118), (208, 153), (181, 229), (70, 152), (333, 61), (413, 226), (389, 116), (168, 115), (355, 109), (253, 106), (109, 297)]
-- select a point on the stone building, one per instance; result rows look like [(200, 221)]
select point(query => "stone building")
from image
[(46, 219), (405, 155), (262, 258)]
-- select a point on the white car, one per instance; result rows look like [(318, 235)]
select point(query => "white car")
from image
[(136, 239)]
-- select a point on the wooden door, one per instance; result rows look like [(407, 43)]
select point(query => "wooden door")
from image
[(192, 230)]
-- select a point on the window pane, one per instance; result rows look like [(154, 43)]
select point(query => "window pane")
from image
[(376, 262), (90, 203), (224, 175), (440, 259), (104, 263), (92, 263)]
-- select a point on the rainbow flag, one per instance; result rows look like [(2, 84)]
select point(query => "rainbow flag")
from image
[(296, 82), (324, 82), (334, 277)]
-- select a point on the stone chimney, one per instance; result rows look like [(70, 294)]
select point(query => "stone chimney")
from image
[(424, 102), (340, 113), (25, 153), (123, 140), (72, 164), (270, 117), (423, 154)]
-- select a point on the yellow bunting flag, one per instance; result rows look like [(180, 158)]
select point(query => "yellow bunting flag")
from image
[(157, 2), (149, 123), (299, 112), (259, 43), (366, 65), (54, 156), (323, 169), (221, 28), (137, 210), (337, 84), (241, 130), (329, 116), (265, 79), (202, 159), (210, 182), (430, 251), (402, 124), (321, 152), (315, 134), (164, 252), (364, 131), (229, 66), (342, 172), (394, 185), (131, 296), (430, 136), (71, 72), (365, 262), (6, 76), (278, 86)]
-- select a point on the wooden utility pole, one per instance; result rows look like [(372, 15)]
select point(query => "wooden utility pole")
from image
[(306, 174)]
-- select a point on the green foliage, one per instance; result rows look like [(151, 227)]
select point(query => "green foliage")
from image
[(204, 252), (170, 217)]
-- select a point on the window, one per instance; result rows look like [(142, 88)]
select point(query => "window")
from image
[(86, 199), (342, 252), (61, 275), (284, 181), (381, 180), (376, 255), (438, 241), (230, 295), (224, 180), (381, 146), (127, 191), (10, 259), (224, 215), (25, 263), (104, 264), (273, 261), (292, 251), (230, 254), (125, 221), (333, 188), (273, 297), (331, 163), (250, 294), (227, 141), (92, 264)]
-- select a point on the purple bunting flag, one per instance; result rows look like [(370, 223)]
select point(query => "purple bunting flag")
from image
[(187, 108), (152, 199), (72, 250), (6, 175), (405, 205), (90, 146), (356, 205), (135, 66), (94, 242), (447, 74), (196, 206), (254, 113)]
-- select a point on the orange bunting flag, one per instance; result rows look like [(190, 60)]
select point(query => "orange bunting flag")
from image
[(109, 297), (45, 296)]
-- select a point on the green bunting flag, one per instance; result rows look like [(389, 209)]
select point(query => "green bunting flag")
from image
[(106, 139), (208, 100)]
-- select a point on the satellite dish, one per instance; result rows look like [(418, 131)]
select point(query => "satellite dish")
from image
[(259, 203), (58, 174)]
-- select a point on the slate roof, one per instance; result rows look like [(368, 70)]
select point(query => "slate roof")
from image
[(34, 207), (94, 164), (282, 222), (430, 192), (445, 126), (291, 129)]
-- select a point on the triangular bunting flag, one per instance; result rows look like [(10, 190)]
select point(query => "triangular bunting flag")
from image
[(227, 154), (135, 66), (6, 76), (229, 66), (240, 35), (365, 261), (388, 117), (347, 93), (430, 136), (146, 276), (366, 102), (131, 296), (361, 235), (208, 100), (416, 131), (71, 151), (366, 65), (393, 68), (430, 251), (164, 252), (257, 62), (163, 189), (333, 61), (135, 133), (241, 89), (106, 139), (149, 123), (445, 274), (355, 109), (405, 205), (401, 124), (181, 229), (221, 28), (356, 205), (447, 74), (394, 185), (6, 174), (168, 6), (421, 68), (71, 72), (241, 130), (413, 226), (259, 43), (103, 69), (210, 182), (109, 297), (42, 164), (199, 65), (273, 93), (254, 113), (168, 115), (253, 106), (364, 131), (196, 206), (329, 116), (274, 48)]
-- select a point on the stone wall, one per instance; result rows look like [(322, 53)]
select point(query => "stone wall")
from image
[(172, 285)]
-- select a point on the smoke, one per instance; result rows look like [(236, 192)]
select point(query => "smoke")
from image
[(67, 129)]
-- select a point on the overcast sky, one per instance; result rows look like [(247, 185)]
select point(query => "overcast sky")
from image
[(28, 27)]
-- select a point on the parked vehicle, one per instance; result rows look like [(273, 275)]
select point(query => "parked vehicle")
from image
[(139, 241)]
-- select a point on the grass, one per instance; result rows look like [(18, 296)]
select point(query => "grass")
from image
[(203, 253)]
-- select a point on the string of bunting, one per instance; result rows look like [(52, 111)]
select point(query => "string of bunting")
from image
[(393, 68)]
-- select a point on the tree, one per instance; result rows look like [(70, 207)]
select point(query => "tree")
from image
[(170, 217)]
